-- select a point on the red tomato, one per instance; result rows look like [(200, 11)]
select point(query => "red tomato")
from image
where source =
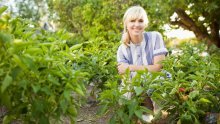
[(181, 89)]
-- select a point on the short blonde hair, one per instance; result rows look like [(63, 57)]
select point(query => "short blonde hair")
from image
[(134, 12)]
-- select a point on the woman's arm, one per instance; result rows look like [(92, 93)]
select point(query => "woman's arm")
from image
[(157, 65), (151, 68)]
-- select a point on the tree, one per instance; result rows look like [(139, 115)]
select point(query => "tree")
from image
[(92, 18), (95, 18), (199, 16), (34, 10)]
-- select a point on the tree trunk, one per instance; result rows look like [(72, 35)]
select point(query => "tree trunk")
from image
[(215, 33), (200, 32)]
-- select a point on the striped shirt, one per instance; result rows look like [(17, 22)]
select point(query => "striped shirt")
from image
[(143, 54)]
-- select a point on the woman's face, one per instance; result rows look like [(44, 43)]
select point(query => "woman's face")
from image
[(135, 27)]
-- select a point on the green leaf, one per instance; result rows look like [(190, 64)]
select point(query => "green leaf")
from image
[(2, 9), (23, 84), (173, 91), (76, 89), (75, 47), (29, 63), (15, 72), (132, 106), (5, 37), (196, 121), (158, 96), (5, 99), (8, 119), (201, 112), (138, 113), (113, 119), (72, 110), (67, 94), (186, 118), (18, 60), (63, 69), (138, 90), (204, 100), (103, 109), (63, 105), (38, 107), (52, 79), (145, 109), (6, 82), (34, 51), (46, 90), (211, 76), (212, 85), (1, 72), (36, 88), (79, 91), (72, 119), (44, 120), (193, 94)]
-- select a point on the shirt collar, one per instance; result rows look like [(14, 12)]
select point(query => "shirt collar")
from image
[(142, 43)]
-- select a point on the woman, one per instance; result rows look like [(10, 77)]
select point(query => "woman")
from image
[(139, 50)]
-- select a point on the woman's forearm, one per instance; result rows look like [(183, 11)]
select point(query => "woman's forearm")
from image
[(156, 67), (150, 68)]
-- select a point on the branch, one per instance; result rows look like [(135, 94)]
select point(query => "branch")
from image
[(215, 32), (180, 24), (187, 23)]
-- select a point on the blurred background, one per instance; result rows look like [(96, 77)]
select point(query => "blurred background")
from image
[(177, 20)]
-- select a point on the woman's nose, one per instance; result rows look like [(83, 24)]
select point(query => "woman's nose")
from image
[(136, 23)]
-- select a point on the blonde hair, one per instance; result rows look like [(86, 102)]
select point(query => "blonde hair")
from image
[(134, 12)]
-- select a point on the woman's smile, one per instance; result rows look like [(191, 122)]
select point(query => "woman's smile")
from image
[(135, 27)]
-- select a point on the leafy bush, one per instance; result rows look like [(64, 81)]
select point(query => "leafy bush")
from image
[(191, 91), (98, 58), (123, 109), (38, 82)]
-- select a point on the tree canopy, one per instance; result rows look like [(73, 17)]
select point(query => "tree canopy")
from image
[(98, 17), (103, 18), (199, 16)]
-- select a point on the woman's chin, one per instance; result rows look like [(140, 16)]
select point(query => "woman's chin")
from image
[(137, 33)]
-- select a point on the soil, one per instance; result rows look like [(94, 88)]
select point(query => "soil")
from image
[(88, 115)]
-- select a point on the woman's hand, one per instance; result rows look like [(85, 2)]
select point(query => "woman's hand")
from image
[(122, 67)]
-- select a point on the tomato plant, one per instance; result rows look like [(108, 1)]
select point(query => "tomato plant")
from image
[(38, 82), (187, 95), (194, 87)]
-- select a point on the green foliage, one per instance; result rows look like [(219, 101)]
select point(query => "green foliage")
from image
[(37, 80), (127, 110), (191, 92), (31, 9), (194, 87), (2, 9), (42, 73), (90, 19), (103, 18), (98, 58), (196, 9)]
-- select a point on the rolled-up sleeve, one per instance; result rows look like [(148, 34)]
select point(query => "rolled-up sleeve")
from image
[(120, 56), (159, 47)]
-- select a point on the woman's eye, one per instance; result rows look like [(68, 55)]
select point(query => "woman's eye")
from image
[(141, 20), (132, 20)]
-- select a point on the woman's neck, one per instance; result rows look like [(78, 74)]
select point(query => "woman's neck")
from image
[(136, 39)]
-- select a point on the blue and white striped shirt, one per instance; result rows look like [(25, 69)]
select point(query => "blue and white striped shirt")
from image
[(152, 45)]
